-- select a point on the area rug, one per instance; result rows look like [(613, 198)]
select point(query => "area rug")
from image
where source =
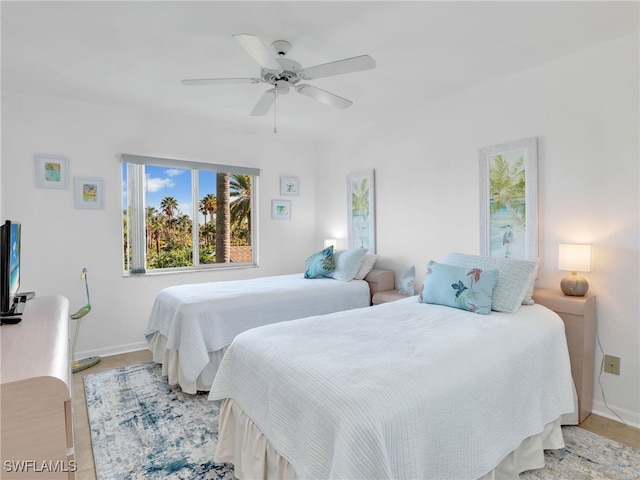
[(587, 456), (141, 428)]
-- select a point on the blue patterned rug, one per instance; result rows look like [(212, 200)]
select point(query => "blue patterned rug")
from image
[(587, 456), (141, 428)]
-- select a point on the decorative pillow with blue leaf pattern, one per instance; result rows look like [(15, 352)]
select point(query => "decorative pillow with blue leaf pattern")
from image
[(515, 283), (319, 264), (460, 287)]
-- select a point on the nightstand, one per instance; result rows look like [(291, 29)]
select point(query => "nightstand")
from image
[(579, 317), (387, 296)]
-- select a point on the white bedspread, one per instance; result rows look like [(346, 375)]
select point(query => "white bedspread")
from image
[(200, 318), (401, 390)]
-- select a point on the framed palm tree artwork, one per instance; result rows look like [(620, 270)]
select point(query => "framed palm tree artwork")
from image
[(362, 214), (509, 200)]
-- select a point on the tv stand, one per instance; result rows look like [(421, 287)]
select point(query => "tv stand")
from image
[(10, 318), (13, 316), (37, 390)]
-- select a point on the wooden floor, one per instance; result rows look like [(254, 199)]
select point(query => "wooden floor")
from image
[(84, 456)]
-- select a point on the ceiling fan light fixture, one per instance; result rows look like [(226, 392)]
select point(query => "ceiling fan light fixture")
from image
[(281, 47), (282, 87)]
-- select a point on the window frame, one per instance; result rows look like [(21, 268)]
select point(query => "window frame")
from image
[(135, 191)]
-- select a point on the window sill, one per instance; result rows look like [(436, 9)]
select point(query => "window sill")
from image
[(181, 270)]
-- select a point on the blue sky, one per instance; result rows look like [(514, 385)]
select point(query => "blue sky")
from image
[(174, 182)]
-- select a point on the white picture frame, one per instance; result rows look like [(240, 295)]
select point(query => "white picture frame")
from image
[(52, 171), (508, 221), (280, 209), (89, 192), (289, 186), (361, 210)]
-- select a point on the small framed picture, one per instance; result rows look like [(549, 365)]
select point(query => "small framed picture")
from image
[(89, 192), (280, 209), (289, 186), (52, 171)]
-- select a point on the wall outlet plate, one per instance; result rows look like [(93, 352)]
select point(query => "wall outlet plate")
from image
[(612, 364)]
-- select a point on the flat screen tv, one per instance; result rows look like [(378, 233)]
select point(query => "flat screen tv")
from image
[(9, 265)]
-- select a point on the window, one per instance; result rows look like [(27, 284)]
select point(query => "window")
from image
[(186, 215)]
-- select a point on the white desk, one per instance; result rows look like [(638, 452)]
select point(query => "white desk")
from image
[(36, 391)]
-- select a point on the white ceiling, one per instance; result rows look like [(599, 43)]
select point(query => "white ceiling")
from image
[(135, 53)]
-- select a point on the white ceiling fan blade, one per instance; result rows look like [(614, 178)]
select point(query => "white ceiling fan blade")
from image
[(265, 102), (323, 96), (260, 53), (348, 65), (219, 81)]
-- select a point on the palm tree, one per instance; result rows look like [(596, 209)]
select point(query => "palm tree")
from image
[(208, 234), (203, 210), (360, 198), (240, 209), (208, 206), (507, 183), (223, 219), (183, 223), (153, 223), (169, 205)]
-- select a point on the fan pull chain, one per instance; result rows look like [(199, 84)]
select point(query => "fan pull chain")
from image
[(275, 115)]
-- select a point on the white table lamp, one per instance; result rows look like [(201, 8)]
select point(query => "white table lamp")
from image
[(329, 242), (574, 258)]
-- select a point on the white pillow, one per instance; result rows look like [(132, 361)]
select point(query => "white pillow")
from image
[(528, 298), (407, 281), (347, 264), (515, 278), (368, 262)]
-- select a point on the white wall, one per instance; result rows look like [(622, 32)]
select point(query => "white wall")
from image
[(584, 110), (59, 240)]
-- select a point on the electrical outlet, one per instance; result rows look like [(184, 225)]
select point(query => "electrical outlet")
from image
[(612, 364)]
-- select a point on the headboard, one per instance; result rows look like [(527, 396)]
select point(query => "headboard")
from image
[(380, 280)]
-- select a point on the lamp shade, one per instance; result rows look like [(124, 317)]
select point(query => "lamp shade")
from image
[(574, 258), (329, 242)]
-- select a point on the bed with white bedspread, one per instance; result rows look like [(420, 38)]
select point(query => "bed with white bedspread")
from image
[(190, 326), (399, 390), (462, 381)]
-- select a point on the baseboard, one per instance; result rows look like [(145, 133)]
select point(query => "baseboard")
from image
[(631, 418), (117, 350)]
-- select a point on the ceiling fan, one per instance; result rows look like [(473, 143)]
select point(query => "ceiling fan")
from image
[(284, 74)]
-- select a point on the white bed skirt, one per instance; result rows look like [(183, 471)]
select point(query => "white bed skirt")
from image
[(241, 443), (170, 361)]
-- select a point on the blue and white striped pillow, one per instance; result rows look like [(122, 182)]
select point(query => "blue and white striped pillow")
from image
[(347, 264)]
